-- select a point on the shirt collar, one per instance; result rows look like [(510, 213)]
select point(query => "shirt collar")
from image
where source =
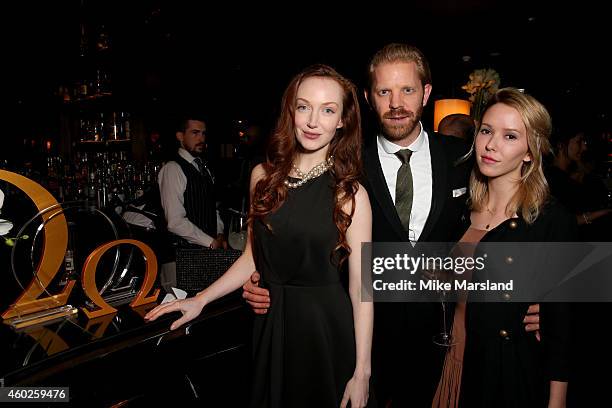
[(186, 155), (393, 148)]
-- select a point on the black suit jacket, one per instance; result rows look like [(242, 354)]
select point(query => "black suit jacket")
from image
[(406, 363), (448, 176)]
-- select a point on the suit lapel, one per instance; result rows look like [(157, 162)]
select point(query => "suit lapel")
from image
[(380, 191), (439, 175)]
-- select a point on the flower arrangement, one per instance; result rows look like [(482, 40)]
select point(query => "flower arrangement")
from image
[(482, 85)]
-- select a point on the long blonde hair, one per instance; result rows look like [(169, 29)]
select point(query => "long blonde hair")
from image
[(533, 188)]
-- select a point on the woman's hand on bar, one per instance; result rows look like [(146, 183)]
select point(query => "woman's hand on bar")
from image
[(190, 308)]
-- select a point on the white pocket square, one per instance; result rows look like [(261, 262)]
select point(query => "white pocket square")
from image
[(458, 192)]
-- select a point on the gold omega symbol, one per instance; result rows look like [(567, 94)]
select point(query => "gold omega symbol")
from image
[(55, 241)]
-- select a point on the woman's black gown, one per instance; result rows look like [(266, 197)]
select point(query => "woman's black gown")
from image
[(304, 347)]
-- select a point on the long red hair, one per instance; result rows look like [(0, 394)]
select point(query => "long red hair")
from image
[(270, 192)]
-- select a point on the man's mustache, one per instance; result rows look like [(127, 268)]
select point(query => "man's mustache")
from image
[(398, 113)]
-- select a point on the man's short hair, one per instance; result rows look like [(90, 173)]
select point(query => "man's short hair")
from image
[(182, 121), (457, 124), (396, 52)]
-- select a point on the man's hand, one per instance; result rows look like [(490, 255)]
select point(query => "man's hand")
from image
[(532, 320), (258, 298), (220, 242)]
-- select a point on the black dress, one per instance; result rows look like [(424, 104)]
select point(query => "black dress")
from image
[(304, 347), (505, 366)]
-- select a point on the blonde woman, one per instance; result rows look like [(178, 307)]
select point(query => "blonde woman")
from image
[(504, 365)]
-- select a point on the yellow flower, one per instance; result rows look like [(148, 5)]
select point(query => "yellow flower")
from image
[(487, 79), (482, 85)]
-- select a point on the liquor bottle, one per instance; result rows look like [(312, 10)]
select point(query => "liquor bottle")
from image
[(92, 190), (69, 265), (125, 120), (102, 128), (83, 43), (96, 131), (114, 130), (83, 125), (98, 86)]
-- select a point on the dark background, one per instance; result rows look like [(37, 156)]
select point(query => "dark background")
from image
[(232, 61)]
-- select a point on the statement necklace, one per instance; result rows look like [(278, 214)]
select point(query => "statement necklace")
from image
[(315, 172)]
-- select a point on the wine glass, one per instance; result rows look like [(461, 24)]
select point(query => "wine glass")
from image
[(237, 235), (444, 338)]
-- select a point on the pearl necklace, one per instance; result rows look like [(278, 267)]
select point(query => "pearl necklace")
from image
[(315, 172)]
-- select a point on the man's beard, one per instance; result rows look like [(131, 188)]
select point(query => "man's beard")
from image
[(401, 132), (194, 152)]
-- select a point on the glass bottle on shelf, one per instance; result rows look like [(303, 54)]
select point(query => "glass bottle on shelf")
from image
[(124, 119), (82, 129), (88, 130), (101, 128), (70, 271), (82, 86), (92, 189), (114, 133), (101, 83), (139, 184), (96, 132), (102, 194), (106, 83), (98, 83), (83, 44)]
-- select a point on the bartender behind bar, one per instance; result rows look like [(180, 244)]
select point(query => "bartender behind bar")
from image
[(187, 195)]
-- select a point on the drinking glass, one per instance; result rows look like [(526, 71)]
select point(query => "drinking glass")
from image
[(237, 235)]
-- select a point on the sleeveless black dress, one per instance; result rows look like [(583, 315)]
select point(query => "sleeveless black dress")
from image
[(304, 347)]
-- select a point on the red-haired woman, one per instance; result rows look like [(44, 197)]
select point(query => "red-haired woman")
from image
[(309, 216)]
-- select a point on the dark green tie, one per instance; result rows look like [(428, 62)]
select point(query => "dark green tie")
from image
[(403, 188)]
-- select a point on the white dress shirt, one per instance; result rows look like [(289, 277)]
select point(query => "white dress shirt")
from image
[(420, 166), (134, 218), (172, 184)]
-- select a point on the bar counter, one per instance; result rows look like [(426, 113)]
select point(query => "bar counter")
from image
[(119, 360)]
